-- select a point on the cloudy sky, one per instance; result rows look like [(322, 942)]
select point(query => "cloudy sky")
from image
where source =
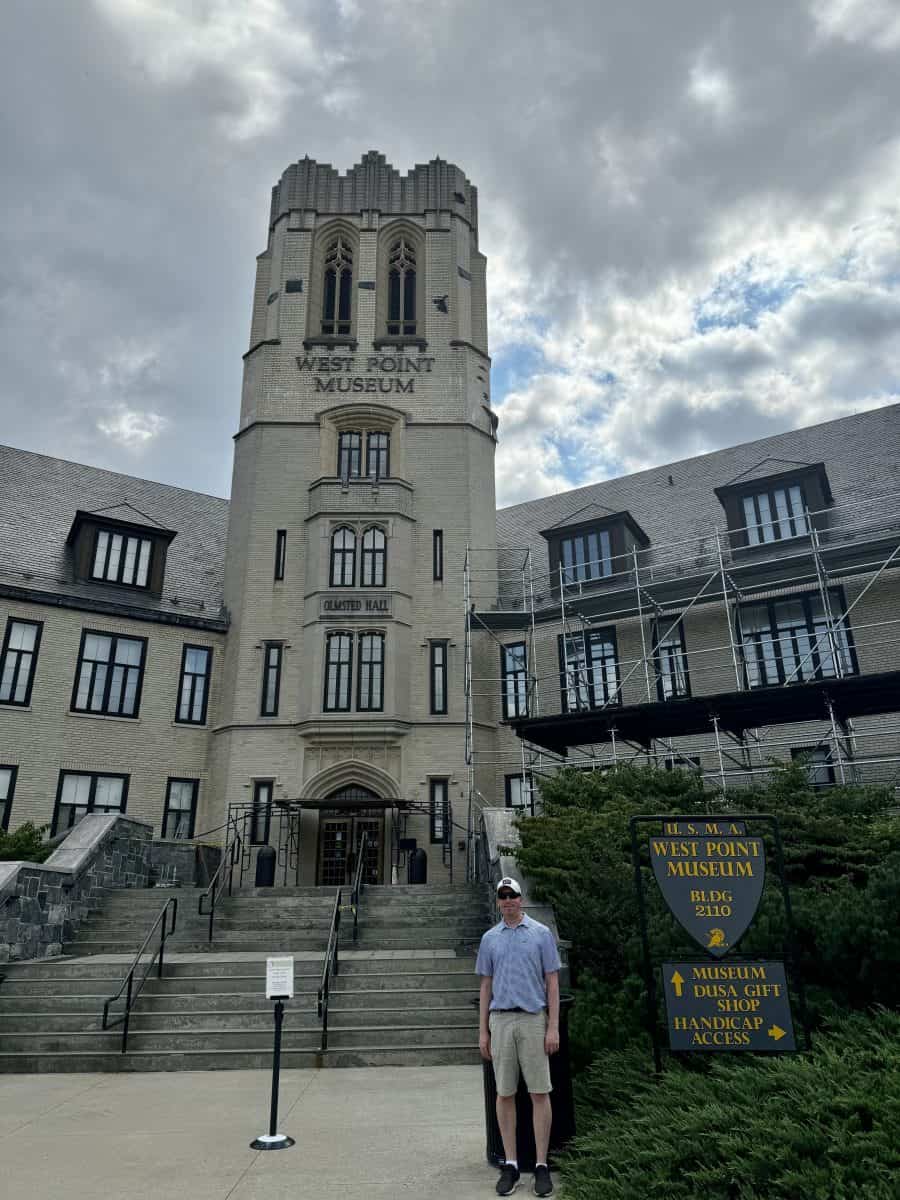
[(691, 211)]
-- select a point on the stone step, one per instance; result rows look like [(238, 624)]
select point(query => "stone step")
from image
[(270, 944), (450, 1053)]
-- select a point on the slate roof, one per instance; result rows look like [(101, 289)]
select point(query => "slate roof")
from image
[(675, 501), (39, 497)]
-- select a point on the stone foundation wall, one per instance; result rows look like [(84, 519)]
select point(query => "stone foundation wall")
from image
[(42, 904)]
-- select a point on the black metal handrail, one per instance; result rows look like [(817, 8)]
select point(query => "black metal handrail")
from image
[(230, 855), (358, 881), (330, 967), (127, 985)]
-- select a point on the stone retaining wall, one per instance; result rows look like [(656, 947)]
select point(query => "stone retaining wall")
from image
[(42, 904)]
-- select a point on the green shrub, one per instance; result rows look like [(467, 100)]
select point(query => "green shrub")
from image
[(818, 1126), (25, 844)]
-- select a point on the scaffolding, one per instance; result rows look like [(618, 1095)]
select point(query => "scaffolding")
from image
[(727, 702)]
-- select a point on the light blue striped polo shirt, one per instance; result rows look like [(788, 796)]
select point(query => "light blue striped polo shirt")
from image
[(517, 958)]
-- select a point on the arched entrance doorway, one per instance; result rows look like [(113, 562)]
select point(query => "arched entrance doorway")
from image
[(350, 812)]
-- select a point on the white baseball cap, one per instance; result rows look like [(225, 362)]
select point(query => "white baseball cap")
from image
[(512, 884)]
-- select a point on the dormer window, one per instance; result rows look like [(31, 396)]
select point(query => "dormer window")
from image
[(119, 546), (595, 546), (769, 504), (122, 558)]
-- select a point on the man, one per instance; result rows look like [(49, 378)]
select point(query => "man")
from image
[(518, 962)]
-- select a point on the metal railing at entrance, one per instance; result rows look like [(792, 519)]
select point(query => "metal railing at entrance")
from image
[(128, 985), (230, 856), (332, 964)]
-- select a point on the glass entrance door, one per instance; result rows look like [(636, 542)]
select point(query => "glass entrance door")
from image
[(341, 832), (335, 856)]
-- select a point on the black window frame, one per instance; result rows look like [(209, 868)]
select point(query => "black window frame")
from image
[(111, 532), (438, 655), (373, 560), (437, 554), (94, 776), (168, 810), (370, 699), (343, 671), (194, 676), (378, 454), (837, 602), (280, 554), (683, 762), (585, 563), (519, 676), (347, 451), (803, 753), (38, 626), (6, 801), (775, 520), (508, 788), (607, 633), (435, 837), (337, 556), (105, 711), (401, 288), (337, 287), (674, 646), (261, 812), (268, 648)]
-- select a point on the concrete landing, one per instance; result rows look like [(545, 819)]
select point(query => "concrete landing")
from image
[(361, 1134)]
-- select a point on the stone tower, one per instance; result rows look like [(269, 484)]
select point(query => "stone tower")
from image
[(363, 466)]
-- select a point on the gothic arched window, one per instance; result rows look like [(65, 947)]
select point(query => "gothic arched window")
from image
[(374, 555), (337, 287), (343, 557), (401, 289)]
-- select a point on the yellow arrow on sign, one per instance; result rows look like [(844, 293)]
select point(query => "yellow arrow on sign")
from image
[(678, 981), (776, 1032)]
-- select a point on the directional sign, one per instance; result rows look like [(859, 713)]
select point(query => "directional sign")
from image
[(722, 1006), (712, 884), (704, 827)]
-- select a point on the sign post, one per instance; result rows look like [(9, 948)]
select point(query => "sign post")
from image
[(279, 987)]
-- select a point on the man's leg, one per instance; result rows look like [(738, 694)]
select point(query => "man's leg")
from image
[(542, 1116), (506, 1119)]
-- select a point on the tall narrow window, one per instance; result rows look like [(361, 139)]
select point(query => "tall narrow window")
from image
[(343, 557), (437, 554), (109, 675), (122, 558), (280, 552), (670, 660), (337, 292), (519, 792), (819, 765), (180, 809), (261, 813), (438, 794), (437, 655), (18, 661), (349, 454), (378, 455), (338, 671), (271, 685), (775, 514), (193, 688), (374, 554), (7, 787), (589, 674), (370, 684), (514, 673), (80, 793), (401, 289)]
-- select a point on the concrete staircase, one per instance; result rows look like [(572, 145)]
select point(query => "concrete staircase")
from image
[(404, 994)]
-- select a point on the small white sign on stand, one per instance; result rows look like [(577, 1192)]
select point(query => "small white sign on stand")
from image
[(280, 978)]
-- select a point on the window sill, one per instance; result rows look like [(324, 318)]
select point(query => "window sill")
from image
[(397, 343), (189, 724), (104, 717), (8, 706), (331, 342)]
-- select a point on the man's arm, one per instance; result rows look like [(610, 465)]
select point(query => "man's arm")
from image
[(551, 1038), (484, 1005)]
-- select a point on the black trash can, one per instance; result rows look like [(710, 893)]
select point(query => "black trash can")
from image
[(265, 867), (417, 871), (561, 1100)]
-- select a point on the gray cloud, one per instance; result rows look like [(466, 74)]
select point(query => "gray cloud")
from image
[(627, 158)]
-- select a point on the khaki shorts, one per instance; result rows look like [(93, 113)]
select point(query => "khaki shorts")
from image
[(517, 1040)]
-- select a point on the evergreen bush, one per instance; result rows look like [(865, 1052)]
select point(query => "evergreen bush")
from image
[(25, 844)]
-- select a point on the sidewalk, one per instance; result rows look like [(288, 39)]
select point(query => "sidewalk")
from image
[(360, 1133)]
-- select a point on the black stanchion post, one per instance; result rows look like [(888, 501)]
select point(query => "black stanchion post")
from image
[(279, 984)]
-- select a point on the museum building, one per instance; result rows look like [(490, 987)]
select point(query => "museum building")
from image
[(360, 643)]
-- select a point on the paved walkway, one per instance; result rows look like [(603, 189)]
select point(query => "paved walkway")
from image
[(361, 1134)]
